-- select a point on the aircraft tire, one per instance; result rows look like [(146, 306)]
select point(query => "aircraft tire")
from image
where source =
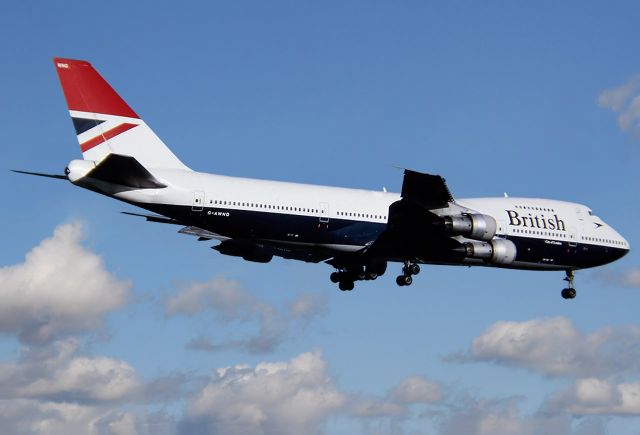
[(346, 285)]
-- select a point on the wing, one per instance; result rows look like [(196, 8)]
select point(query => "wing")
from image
[(261, 251), (413, 229), (429, 191)]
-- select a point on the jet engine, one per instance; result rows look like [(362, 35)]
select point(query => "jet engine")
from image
[(497, 251), (473, 226)]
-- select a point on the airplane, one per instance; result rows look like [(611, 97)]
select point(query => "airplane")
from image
[(358, 232)]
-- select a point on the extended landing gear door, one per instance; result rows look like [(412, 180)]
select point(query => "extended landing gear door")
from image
[(198, 201), (324, 212)]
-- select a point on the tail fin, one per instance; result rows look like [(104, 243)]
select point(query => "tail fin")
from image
[(104, 122)]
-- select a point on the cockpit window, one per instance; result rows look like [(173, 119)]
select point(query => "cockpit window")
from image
[(590, 213)]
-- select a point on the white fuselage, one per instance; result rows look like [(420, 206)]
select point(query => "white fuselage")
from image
[(219, 199)]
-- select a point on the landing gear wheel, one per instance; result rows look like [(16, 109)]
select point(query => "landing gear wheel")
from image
[(335, 277), (403, 280), (346, 285), (414, 269)]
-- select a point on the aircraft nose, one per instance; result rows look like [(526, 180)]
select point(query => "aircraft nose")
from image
[(621, 252), (624, 249)]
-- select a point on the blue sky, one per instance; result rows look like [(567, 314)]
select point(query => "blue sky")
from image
[(109, 324)]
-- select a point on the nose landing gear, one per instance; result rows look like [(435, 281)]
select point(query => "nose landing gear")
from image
[(408, 271), (570, 291)]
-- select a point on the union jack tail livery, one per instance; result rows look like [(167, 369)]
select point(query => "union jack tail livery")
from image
[(104, 122)]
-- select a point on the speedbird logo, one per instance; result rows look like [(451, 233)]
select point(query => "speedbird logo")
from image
[(536, 221)]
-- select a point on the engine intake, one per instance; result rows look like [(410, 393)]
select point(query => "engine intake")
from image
[(473, 226), (497, 251)]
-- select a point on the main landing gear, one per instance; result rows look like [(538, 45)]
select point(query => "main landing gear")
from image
[(408, 271), (348, 275), (570, 291)]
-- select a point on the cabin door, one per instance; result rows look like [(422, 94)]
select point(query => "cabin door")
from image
[(324, 213)]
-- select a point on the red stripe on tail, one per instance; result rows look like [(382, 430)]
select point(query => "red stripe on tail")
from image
[(86, 146), (86, 90)]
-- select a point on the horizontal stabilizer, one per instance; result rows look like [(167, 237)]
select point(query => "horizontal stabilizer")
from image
[(40, 174), (125, 171)]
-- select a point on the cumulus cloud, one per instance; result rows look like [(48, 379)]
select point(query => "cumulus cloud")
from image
[(555, 347), (225, 297), (417, 389), (626, 278), (296, 396), (54, 389), (396, 405), (60, 288), (593, 396), (23, 416), (375, 407), (630, 277), (472, 416), (625, 101), (58, 374), (307, 306), (231, 303)]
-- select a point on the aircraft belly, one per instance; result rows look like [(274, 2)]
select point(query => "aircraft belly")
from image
[(545, 254), (339, 234)]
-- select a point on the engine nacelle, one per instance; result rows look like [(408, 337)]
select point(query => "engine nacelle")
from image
[(497, 251), (249, 253), (473, 226)]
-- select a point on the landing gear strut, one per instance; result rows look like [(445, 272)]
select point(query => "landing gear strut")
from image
[(570, 291), (408, 270)]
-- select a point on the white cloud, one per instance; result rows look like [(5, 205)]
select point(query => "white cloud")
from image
[(593, 396), (375, 407), (54, 389), (224, 296), (554, 347), (631, 277), (307, 306), (231, 303), (625, 101), (32, 417), (58, 374), (61, 288), (615, 98), (296, 396), (417, 389), (472, 416)]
